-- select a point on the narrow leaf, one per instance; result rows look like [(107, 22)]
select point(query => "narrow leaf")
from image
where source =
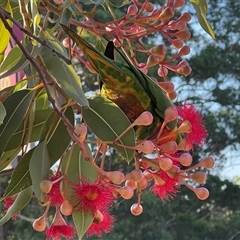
[(58, 137), (75, 166), (21, 201), (107, 121), (201, 10), (39, 120), (67, 79), (39, 168), (2, 113), (16, 106), (7, 157), (21, 178), (5, 35), (11, 59)]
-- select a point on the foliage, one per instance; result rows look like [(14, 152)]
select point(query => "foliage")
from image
[(50, 121)]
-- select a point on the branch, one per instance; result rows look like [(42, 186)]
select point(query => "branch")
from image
[(42, 76)]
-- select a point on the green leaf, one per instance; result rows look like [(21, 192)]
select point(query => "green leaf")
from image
[(39, 168), (75, 166), (23, 62), (21, 201), (16, 106), (21, 178), (56, 134), (39, 120), (201, 10), (67, 79), (5, 35), (11, 59), (2, 113), (42, 101), (35, 16), (7, 157), (107, 121)]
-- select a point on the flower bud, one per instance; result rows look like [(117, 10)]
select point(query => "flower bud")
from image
[(177, 43), (207, 162), (135, 175), (162, 71), (132, 10), (144, 119), (145, 146), (131, 184), (202, 193), (170, 114), (39, 224), (158, 50), (185, 50), (185, 159), (165, 163), (186, 17), (148, 7), (46, 186), (184, 35), (126, 192), (199, 177), (166, 86), (66, 208), (117, 177), (167, 13), (136, 209)]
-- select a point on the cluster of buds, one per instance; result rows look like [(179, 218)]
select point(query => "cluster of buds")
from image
[(141, 20)]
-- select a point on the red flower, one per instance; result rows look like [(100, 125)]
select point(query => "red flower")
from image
[(59, 228), (55, 195), (8, 202), (191, 116), (167, 190), (105, 225), (91, 196)]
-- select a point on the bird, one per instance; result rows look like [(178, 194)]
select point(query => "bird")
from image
[(129, 88)]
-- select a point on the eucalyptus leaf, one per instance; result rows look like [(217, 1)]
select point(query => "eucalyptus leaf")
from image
[(39, 168), (20, 178), (8, 156), (201, 10), (2, 113), (4, 33), (20, 202), (66, 78), (107, 121), (75, 167), (16, 106), (56, 134), (39, 120), (11, 59)]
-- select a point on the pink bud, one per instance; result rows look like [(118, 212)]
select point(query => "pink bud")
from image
[(168, 147), (185, 159), (207, 162), (165, 163), (126, 192), (170, 114), (146, 146), (136, 209), (162, 71), (199, 177), (117, 177), (135, 175), (144, 119), (132, 10), (202, 193)]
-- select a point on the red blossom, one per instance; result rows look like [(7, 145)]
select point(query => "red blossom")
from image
[(55, 195), (167, 190), (8, 202), (57, 232), (90, 197), (59, 228), (105, 225), (198, 131)]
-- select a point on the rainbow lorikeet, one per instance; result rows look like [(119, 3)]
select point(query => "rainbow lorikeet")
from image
[(132, 90)]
